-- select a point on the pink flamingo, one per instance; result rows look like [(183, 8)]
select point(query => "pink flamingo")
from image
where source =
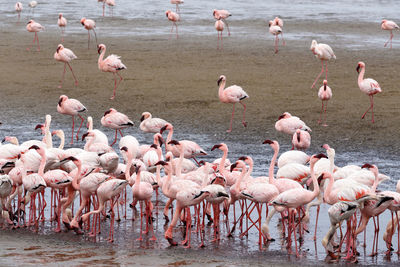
[(65, 55), (367, 86), (230, 177), (324, 93), (223, 15), (301, 140), (112, 63), (111, 4), (174, 17), (177, 3), (151, 125), (35, 27), (18, 8), (219, 26), (288, 124), (323, 52), (389, 25), (89, 25), (62, 23), (293, 156), (275, 30), (233, 94), (72, 107), (115, 120), (91, 145)]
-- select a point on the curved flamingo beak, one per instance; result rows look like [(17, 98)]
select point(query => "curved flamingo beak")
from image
[(85, 135), (298, 137), (163, 129), (174, 142), (98, 49), (124, 148), (142, 118), (219, 81), (39, 126), (270, 142), (358, 68), (215, 147), (367, 165), (160, 140), (34, 147), (243, 158), (233, 166)]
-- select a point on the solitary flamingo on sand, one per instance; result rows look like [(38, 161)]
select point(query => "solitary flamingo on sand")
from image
[(35, 27), (324, 93), (18, 8), (115, 120), (62, 23), (323, 52), (223, 15), (367, 86), (275, 29), (72, 107), (112, 63), (219, 26), (233, 94), (389, 25), (174, 17), (89, 25), (65, 55), (177, 3)]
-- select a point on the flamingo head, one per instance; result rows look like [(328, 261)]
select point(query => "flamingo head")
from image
[(270, 23), (315, 158), (124, 148), (246, 159), (360, 66), (221, 146), (167, 13), (90, 134), (30, 21), (167, 126), (145, 115), (162, 163), (59, 47), (313, 45), (108, 112), (137, 168), (62, 99), (158, 139), (202, 193), (238, 164), (100, 48), (373, 168), (35, 147), (383, 21), (173, 142), (83, 21), (221, 78), (39, 126), (169, 156), (154, 146), (274, 144), (60, 15)]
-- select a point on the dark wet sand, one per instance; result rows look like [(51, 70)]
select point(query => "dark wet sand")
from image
[(176, 80)]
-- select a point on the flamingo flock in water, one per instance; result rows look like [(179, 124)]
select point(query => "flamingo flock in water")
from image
[(199, 189)]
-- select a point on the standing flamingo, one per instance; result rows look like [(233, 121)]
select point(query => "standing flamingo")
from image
[(112, 63), (111, 4), (32, 5), (174, 17), (72, 107), (389, 25), (324, 93), (233, 94), (223, 15), (65, 55), (323, 52), (151, 125), (89, 24), (18, 8), (275, 29), (115, 120), (62, 23), (35, 27), (301, 140), (219, 26), (177, 3), (367, 86)]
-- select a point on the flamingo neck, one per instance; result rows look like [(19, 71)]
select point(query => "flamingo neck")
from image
[(221, 88), (249, 171), (158, 169), (90, 122), (42, 164), (169, 138), (222, 161), (272, 166), (331, 162), (89, 143), (361, 76), (178, 168), (75, 183), (137, 181), (315, 192), (62, 142), (167, 182), (128, 166), (48, 139), (239, 181), (100, 61), (206, 171), (328, 191), (375, 184)]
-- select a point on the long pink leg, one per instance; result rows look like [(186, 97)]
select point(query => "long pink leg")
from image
[(37, 38), (276, 44), (233, 113), (322, 70), (227, 26), (322, 110), (370, 107), (62, 77), (115, 140), (76, 81), (170, 34), (391, 38), (326, 70), (283, 40), (104, 5), (176, 30), (316, 223), (34, 40), (95, 36), (77, 133), (222, 43), (88, 42), (244, 114), (326, 105), (115, 86), (73, 125), (62, 34)]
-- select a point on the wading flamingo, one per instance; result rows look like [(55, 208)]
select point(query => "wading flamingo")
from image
[(173, 17), (62, 23), (389, 25), (65, 55), (233, 94), (219, 26), (72, 107), (367, 86), (112, 64), (18, 8), (323, 52), (35, 27), (223, 15), (115, 120), (89, 24), (275, 30), (301, 140), (324, 93), (177, 3)]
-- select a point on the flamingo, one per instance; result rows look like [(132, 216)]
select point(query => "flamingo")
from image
[(223, 15), (112, 64), (89, 25), (65, 55), (219, 26), (279, 22), (367, 86), (100, 136), (173, 17), (177, 3), (35, 27), (233, 94), (288, 124), (72, 107), (32, 5), (293, 156), (275, 30), (324, 93), (18, 8), (111, 4), (389, 25), (92, 146), (115, 120), (62, 23), (301, 140), (323, 52), (151, 125)]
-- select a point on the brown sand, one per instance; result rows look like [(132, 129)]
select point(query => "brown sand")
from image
[(176, 80)]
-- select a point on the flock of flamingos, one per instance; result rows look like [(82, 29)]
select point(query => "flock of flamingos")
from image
[(200, 189)]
